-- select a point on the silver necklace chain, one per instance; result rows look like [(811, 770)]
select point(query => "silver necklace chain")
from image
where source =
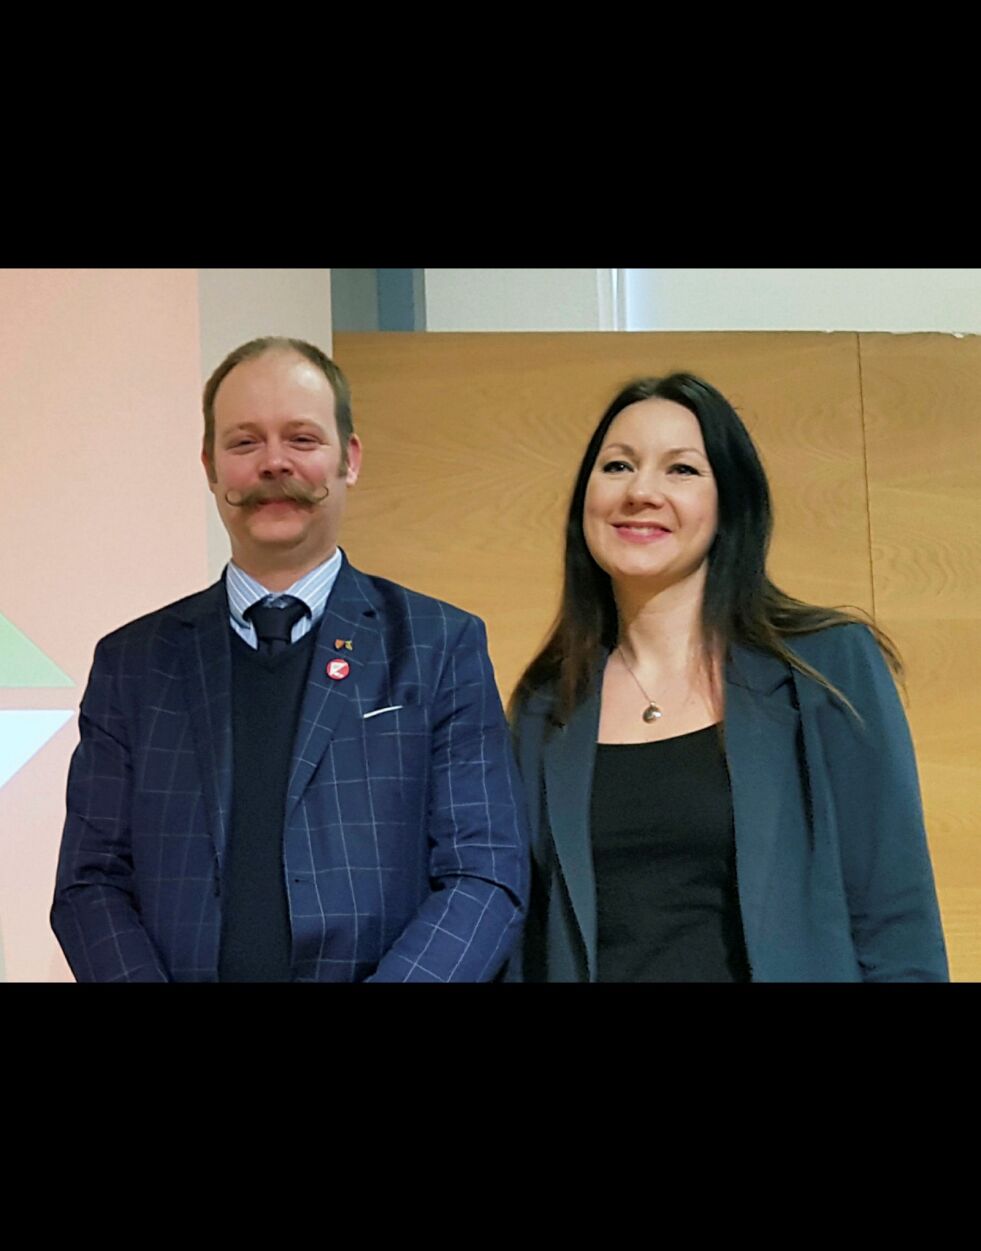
[(652, 712)]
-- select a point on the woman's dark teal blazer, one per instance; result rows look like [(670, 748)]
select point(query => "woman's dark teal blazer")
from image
[(834, 875)]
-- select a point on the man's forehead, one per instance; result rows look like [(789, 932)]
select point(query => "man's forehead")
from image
[(278, 378)]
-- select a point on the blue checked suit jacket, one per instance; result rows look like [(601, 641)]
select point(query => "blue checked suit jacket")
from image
[(404, 841)]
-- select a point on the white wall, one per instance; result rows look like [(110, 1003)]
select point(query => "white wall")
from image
[(237, 305), (900, 300), (519, 299)]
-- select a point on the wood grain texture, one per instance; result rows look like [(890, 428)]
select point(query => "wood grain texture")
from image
[(921, 395), (472, 442)]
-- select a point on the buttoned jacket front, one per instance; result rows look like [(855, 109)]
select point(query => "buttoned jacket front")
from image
[(404, 840)]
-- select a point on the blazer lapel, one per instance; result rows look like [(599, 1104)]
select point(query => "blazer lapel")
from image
[(761, 730), (205, 657), (352, 615), (569, 756)]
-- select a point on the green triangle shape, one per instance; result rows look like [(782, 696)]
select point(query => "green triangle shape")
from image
[(22, 663)]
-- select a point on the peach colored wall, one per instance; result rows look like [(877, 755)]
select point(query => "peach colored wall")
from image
[(103, 515)]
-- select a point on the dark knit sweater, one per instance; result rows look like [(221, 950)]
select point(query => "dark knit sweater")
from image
[(266, 697)]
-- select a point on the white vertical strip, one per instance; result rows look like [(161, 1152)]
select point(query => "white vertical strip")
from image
[(621, 299), (607, 299)]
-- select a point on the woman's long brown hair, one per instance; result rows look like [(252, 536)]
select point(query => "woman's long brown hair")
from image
[(741, 604)]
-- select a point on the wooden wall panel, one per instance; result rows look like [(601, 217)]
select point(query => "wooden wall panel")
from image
[(472, 441), (921, 399)]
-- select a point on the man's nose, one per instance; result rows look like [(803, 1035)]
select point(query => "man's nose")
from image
[(275, 460)]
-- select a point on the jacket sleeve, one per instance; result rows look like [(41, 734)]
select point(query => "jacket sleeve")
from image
[(468, 925), (892, 899), (95, 913), (529, 961)]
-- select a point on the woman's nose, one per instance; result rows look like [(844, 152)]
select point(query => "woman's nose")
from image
[(644, 488)]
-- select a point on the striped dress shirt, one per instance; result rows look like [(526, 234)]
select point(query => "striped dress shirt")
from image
[(312, 589)]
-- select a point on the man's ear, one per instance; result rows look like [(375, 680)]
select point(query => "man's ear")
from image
[(209, 467), (353, 460)]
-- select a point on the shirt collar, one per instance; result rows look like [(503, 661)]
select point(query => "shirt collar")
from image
[(313, 589)]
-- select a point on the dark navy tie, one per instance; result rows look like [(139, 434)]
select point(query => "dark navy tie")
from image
[(274, 625)]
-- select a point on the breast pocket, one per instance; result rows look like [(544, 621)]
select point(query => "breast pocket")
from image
[(364, 817), (394, 716), (380, 764), (396, 743), (396, 751)]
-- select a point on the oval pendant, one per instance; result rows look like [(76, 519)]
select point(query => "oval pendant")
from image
[(651, 713)]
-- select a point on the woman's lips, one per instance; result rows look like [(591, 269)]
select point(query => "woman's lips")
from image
[(642, 534)]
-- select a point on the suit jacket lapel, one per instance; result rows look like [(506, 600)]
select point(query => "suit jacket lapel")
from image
[(352, 614), (761, 734), (569, 755), (761, 730), (205, 652)]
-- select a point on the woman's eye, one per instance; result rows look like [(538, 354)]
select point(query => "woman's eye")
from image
[(685, 469), (615, 466)]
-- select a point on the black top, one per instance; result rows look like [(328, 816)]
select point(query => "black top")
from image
[(267, 692), (665, 861)]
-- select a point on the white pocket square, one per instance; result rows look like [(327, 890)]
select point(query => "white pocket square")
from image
[(378, 711)]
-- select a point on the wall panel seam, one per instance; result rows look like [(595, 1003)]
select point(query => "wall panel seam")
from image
[(865, 466)]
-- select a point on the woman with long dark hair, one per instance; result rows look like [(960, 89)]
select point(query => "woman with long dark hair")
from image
[(720, 778)]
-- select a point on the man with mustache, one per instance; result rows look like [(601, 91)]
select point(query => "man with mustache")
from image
[(302, 773)]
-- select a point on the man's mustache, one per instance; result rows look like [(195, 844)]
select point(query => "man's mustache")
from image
[(282, 489)]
